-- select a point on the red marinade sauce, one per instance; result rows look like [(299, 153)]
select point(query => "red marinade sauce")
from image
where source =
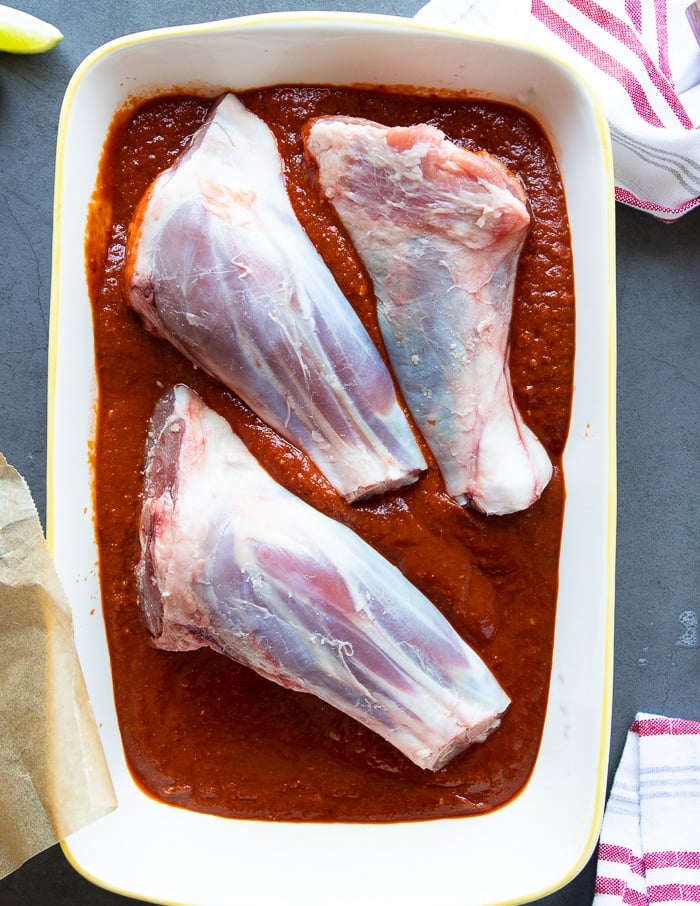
[(204, 733)]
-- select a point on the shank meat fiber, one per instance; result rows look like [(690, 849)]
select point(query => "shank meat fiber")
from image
[(233, 561), (218, 264), (440, 230)]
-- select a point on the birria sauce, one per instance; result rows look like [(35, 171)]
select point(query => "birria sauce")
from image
[(202, 732)]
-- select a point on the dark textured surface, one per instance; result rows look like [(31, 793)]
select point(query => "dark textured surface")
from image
[(658, 273)]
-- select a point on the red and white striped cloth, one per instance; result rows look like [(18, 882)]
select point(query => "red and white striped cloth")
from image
[(642, 59), (649, 848)]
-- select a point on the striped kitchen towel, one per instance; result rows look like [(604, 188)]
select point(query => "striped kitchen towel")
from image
[(641, 57), (649, 848)]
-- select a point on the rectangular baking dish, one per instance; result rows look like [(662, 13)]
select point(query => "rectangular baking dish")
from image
[(541, 839)]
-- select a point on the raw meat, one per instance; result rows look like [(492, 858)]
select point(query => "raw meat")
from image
[(440, 230), (219, 265), (233, 561)]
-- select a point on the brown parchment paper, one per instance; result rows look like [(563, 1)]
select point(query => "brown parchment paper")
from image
[(53, 774)]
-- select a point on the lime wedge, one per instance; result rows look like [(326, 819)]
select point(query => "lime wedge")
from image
[(22, 33)]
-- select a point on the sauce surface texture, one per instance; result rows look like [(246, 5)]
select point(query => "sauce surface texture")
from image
[(202, 732)]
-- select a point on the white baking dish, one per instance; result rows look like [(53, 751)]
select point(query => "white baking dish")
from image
[(539, 840)]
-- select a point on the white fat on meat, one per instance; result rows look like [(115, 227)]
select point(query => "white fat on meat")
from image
[(233, 561), (440, 230), (218, 264)]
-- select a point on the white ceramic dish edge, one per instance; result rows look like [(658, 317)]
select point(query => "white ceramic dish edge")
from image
[(151, 851)]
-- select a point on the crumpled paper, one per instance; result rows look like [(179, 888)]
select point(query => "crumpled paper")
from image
[(53, 774)]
